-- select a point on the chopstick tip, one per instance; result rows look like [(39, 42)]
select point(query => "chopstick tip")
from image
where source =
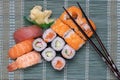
[(77, 2), (64, 8)]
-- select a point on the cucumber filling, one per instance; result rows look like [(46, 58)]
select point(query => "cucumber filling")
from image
[(57, 44), (49, 53), (39, 44)]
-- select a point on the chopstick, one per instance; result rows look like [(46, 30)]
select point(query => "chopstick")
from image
[(99, 40), (95, 47)]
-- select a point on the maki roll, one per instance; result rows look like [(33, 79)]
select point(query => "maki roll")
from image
[(58, 63), (49, 35), (48, 54), (39, 44), (68, 52), (57, 44)]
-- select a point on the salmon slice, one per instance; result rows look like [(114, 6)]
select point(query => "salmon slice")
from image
[(74, 40), (59, 64), (60, 28), (25, 60), (20, 49), (49, 36)]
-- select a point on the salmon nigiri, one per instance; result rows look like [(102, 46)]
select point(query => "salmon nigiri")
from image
[(20, 49), (25, 61)]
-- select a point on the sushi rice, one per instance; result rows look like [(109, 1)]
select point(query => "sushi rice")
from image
[(68, 52), (48, 54), (39, 44), (58, 43), (58, 63), (49, 35)]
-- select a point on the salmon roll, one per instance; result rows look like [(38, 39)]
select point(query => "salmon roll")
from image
[(58, 44), (76, 14), (48, 54), (74, 11), (87, 28), (58, 63), (49, 35), (60, 28), (74, 40), (39, 44), (68, 52)]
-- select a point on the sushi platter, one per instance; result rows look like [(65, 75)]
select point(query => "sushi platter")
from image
[(62, 37), (68, 43)]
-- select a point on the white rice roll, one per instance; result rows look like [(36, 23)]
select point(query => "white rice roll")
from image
[(68, 52), (58, 43), (48, 54), (39, 44), (58, 63), (49, 35)]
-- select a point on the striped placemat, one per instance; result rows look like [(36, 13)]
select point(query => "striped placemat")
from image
[(86, 65)]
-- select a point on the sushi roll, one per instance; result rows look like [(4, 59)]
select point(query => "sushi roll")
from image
[(58, 63), (57, 44), (73, 40), (48, 54), (49, 35), (60, 28), (39, 44), (68, 52)]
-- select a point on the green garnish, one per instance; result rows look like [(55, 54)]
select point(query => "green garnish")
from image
[(66, 51), (44, 26)]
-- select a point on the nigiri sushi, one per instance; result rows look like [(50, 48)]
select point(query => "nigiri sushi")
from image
[(25, 60), (20, 48), (27, 32)]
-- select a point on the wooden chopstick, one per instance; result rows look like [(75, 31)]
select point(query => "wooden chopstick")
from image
[(99, 40), (95, 47)]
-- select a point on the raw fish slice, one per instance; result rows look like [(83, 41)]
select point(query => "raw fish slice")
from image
[(28, 32)]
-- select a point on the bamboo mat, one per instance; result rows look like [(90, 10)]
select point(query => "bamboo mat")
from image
[(86, 65)]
